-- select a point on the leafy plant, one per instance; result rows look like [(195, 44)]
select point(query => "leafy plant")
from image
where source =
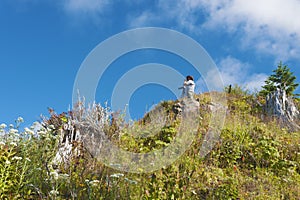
[(254, 158), (283, 79)]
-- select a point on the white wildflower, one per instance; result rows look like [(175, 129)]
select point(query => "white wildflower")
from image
[(3, 126), (94, 182), (2, 143), (28, 159), (17, 158), (37, 124), (28, 131), (51, 127), (54, 192), (54, 174), (87, 180), (131, 181), (13, 131), (20, 120), (11, 126), (7, 162), (64, 176), (13, 144), (41, 132), (116, 175)]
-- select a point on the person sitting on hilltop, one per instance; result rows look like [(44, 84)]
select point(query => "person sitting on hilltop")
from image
[(188, 87)]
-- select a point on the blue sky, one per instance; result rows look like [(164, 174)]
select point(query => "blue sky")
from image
[(44, 42)]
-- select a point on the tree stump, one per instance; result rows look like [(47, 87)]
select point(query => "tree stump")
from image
[(278, 104)]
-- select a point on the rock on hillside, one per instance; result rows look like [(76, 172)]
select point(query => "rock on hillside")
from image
[(280, 105)]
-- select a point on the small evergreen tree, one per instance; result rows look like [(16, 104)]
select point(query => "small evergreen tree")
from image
[(283, 79)]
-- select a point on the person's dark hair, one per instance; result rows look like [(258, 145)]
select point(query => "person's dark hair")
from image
[(189, 78)]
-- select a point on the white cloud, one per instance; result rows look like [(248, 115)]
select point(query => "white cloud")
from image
[(255, 82), (232, 71), (270, 26), (266, 26), (146, 18), (277, 14), (85, 6), (181, 13)]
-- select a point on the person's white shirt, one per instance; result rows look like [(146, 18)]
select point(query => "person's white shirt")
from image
[(183, 88), (189, 88)]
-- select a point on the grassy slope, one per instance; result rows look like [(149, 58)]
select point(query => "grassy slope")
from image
[(254, 159)]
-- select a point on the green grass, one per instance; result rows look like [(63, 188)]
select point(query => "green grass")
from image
[(255, 158)]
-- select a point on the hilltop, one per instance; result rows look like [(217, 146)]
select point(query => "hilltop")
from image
[(256, 157)]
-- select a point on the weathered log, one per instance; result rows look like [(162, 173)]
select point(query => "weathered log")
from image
[(280, 105)]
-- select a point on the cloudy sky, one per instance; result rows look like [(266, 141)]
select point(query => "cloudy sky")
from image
[(44, 42)]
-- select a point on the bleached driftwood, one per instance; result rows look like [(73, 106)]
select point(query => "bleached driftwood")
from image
[(83, 131), (280, 105)]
